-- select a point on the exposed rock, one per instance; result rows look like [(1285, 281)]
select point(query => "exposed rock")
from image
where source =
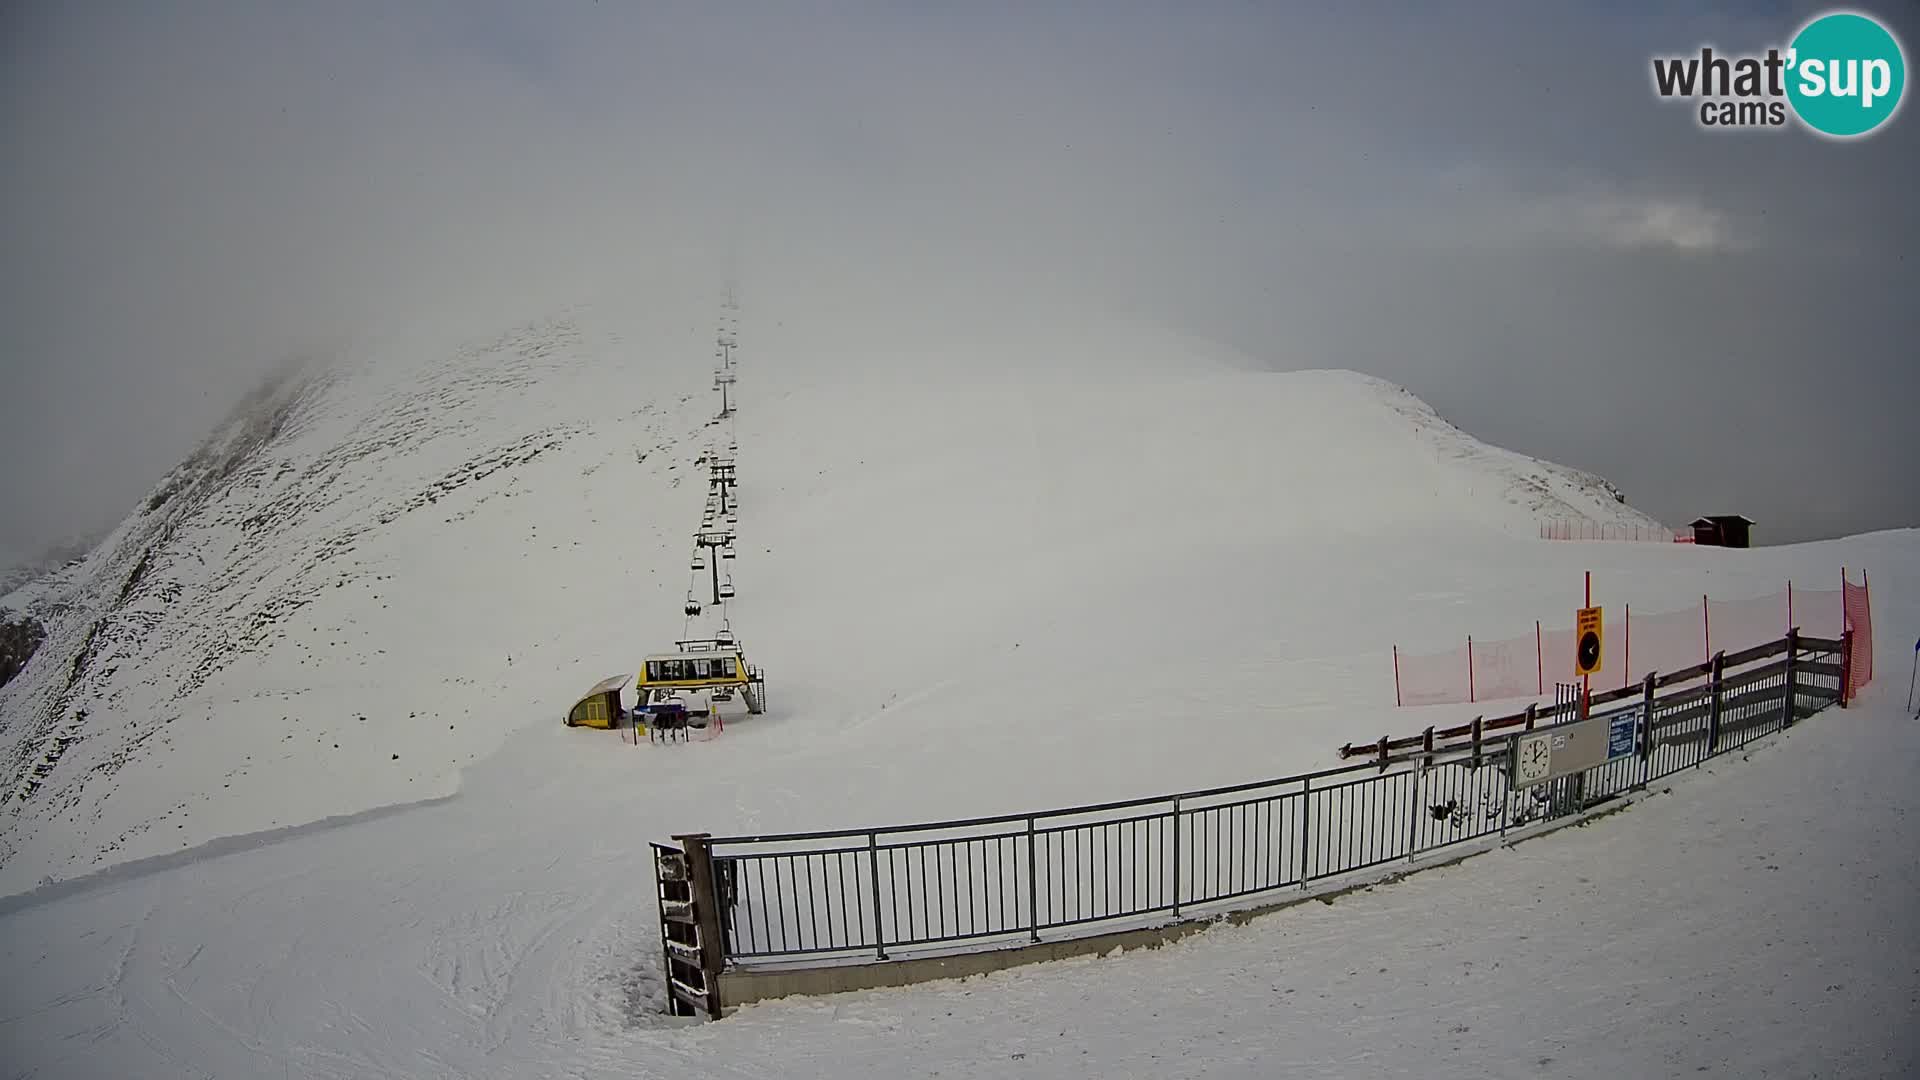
[(20, 638)]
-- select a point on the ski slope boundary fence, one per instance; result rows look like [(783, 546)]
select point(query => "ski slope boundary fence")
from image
[(1480, 670), (1583, 529), (869, 896)]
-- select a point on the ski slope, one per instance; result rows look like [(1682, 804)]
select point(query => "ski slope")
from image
[(337, 828), (1757, 921), (369, 580)]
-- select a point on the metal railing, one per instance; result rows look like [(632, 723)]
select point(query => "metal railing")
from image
[(1006, 880)]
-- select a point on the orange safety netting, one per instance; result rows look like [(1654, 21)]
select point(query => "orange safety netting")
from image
[(1859, 615), (1433, 678), (1557, 648), (1817, 612), (1506, 669), (1733, 625), (1637, 643)]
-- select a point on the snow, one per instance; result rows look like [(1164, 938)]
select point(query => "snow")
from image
[(429, 551), (975, 588), (1756, 921)]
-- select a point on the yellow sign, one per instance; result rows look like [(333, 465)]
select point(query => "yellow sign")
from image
[(1587, 642)]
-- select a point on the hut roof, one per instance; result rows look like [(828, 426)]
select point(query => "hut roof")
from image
[(606, 685)]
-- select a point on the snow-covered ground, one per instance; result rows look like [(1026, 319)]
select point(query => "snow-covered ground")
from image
[(975, 588), (1756, 921)]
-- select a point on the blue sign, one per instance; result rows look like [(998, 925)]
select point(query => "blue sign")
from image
[(1620, 733)]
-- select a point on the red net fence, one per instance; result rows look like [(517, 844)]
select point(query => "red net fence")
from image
[(1595, 530), (1859, 617), (1638, 642)]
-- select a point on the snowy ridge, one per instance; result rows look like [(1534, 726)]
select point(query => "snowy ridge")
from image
[(274, 513), (379, 572)]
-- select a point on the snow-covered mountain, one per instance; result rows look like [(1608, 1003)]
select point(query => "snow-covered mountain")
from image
[(375, 572), (1014, 571)]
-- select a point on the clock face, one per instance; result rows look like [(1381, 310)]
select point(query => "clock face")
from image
[(1533, 759)]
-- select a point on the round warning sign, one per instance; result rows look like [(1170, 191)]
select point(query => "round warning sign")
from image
[(1587, 660)]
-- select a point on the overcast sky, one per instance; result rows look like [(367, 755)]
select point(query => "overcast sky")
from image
[(1482, 202)]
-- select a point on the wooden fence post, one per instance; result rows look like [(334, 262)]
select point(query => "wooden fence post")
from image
[(1846, 662)]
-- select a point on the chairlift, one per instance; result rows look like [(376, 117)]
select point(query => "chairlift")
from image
[(726, 590), (726, 553), (699, 563), (693, 606)]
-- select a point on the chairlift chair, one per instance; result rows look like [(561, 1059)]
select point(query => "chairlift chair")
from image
[(699, 563), (726, 553), (693, 606), (726, 590)]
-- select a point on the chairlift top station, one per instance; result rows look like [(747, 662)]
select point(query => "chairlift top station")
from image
[(716, 663)]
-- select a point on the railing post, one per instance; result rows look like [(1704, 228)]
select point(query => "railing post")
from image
[(1713, 709), (706, 913), (1646, 728), (1383, 753), (1413, 818), (1476, 740), (1033, 885), (873, 869), (1306, 800), (1533, 709), (1426, 747), (1791, 691), (1176, 856), (1506, 801)]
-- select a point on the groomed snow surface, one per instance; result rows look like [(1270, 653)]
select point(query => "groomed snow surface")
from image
[(1031, 582), (1758, 920)]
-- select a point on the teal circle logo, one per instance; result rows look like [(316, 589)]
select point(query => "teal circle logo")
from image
[(1846, 75)]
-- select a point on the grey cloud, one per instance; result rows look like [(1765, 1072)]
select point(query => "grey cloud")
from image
[(1484, 204)]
